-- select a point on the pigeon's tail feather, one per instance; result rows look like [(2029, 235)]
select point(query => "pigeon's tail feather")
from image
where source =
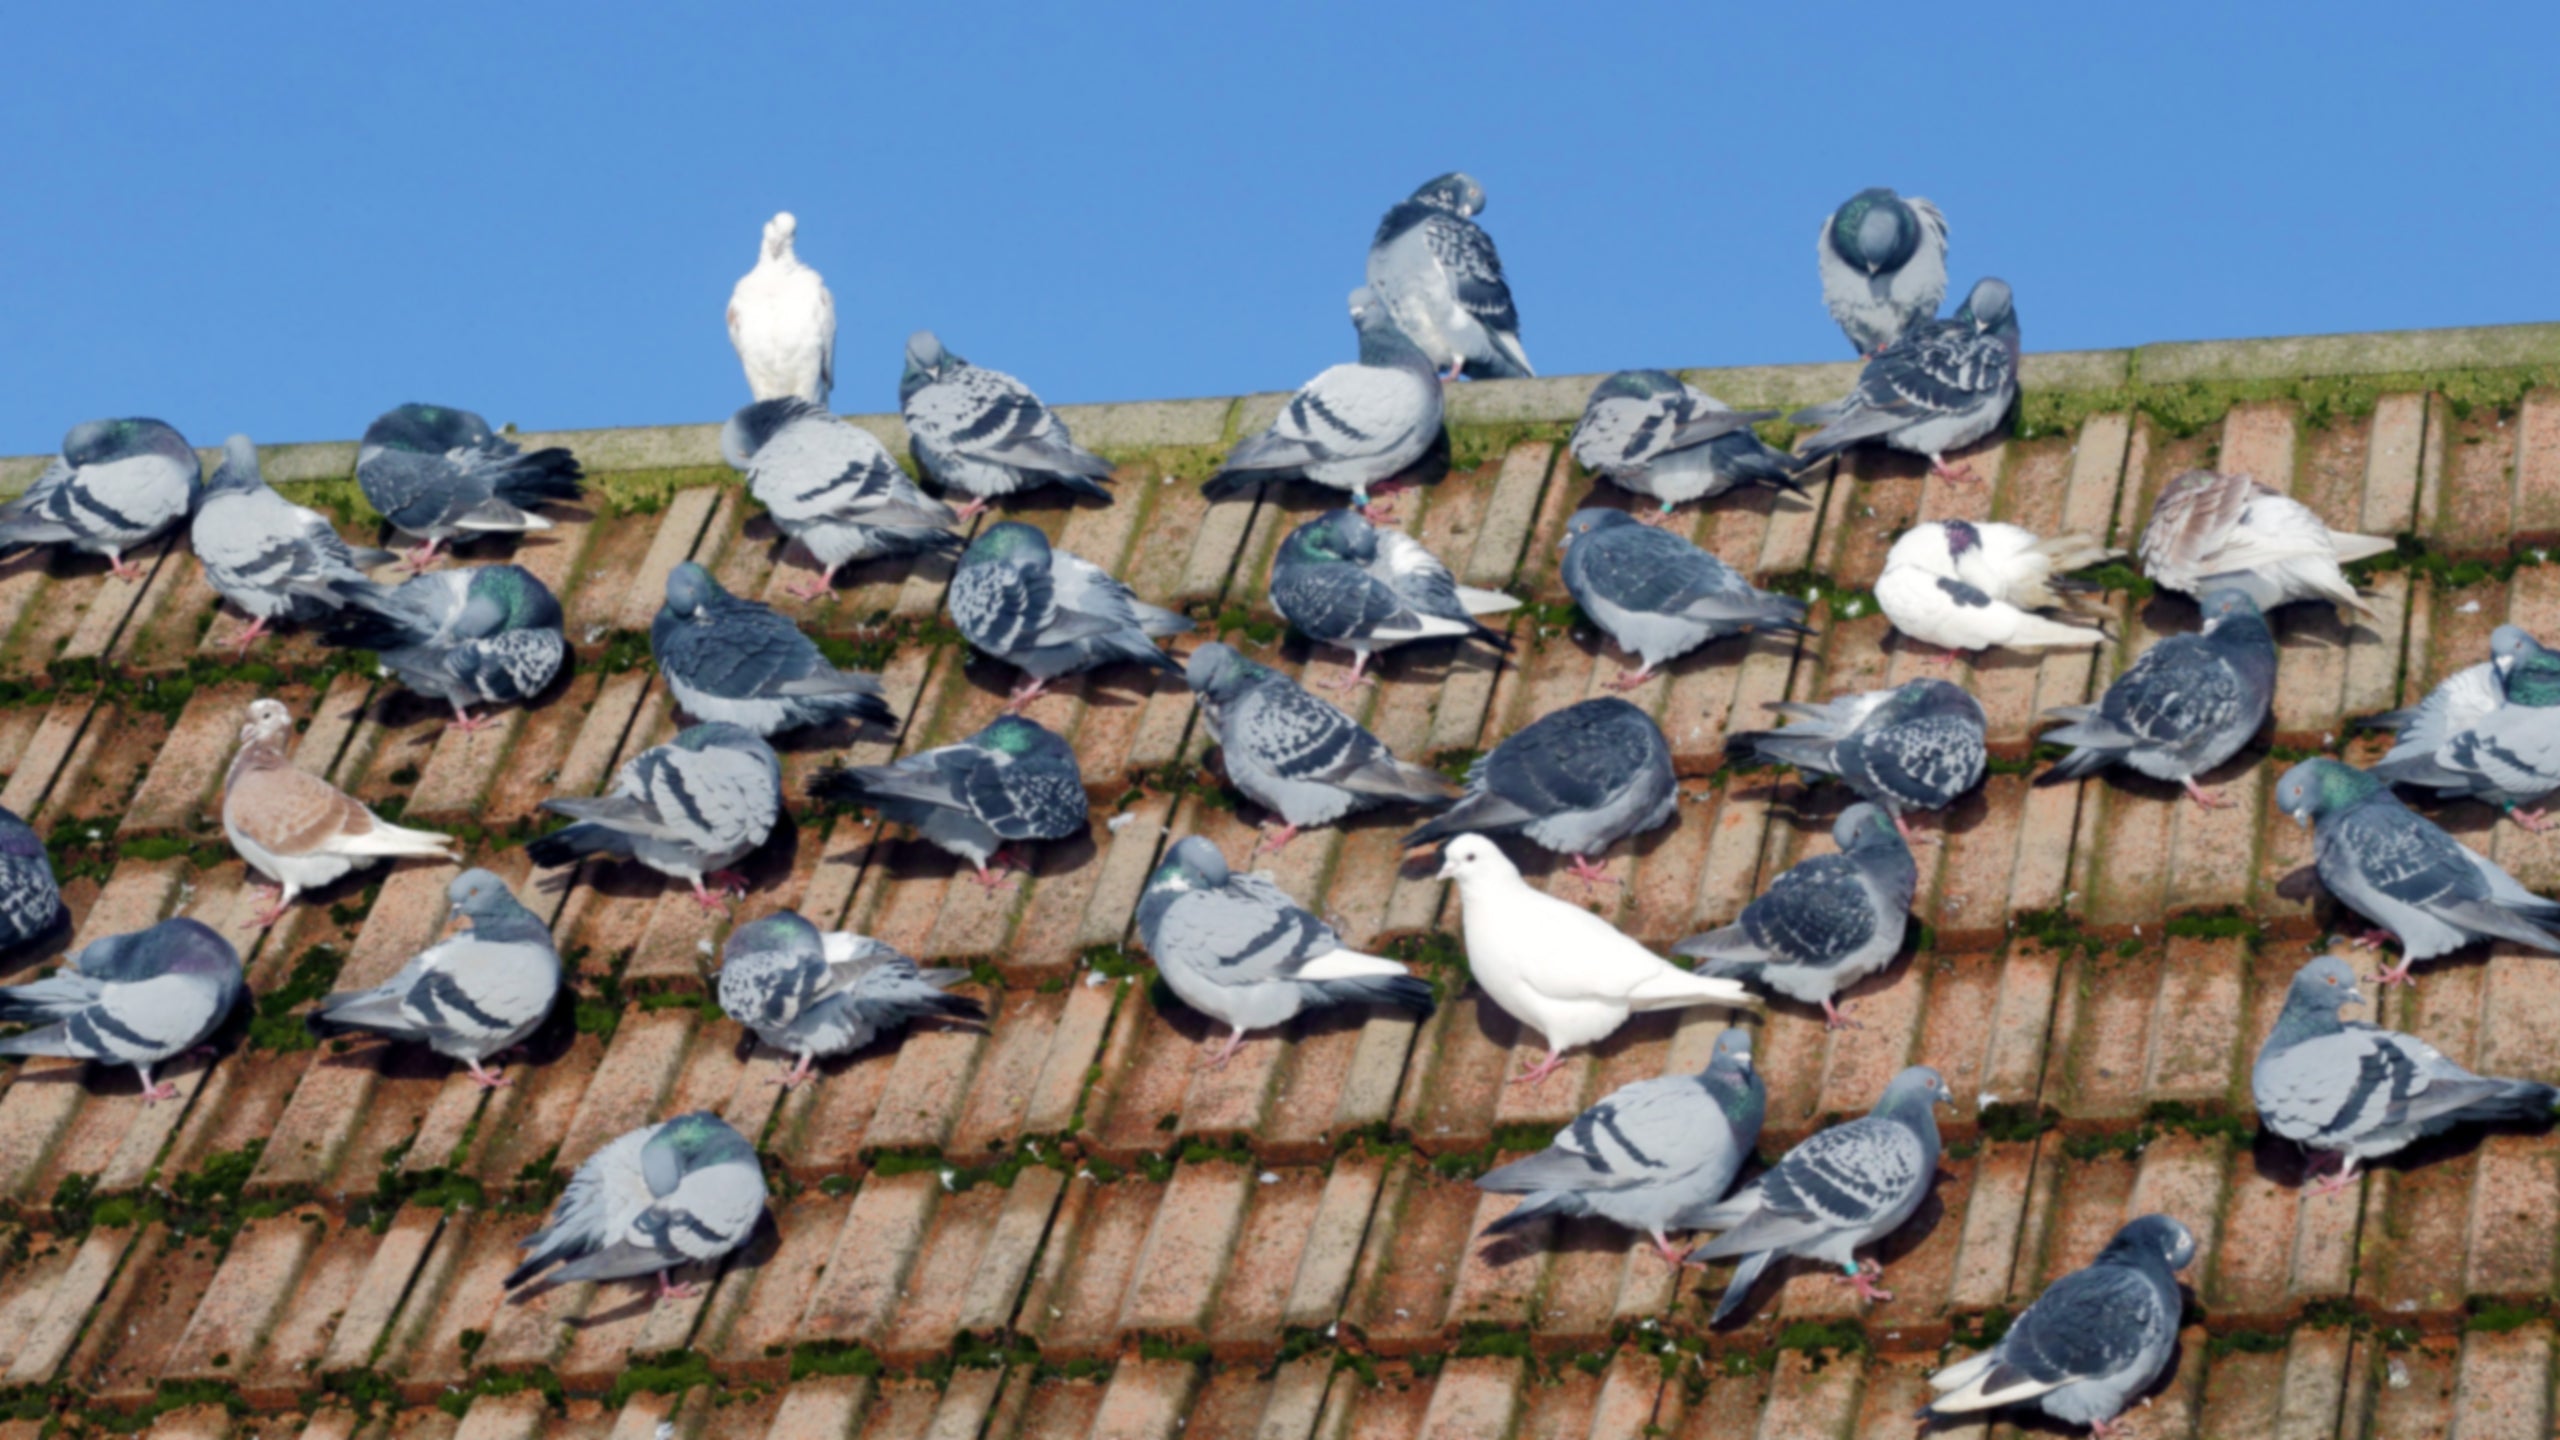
[(2516, 1100), (549, 474), (51, 1040), (1808, 751), (369, 1011), (2101, 743), (1486, 602), (389, 839), (367, 557), (1768, 469), (2488, 917), (1070, 480), (1485, 812), (1158, 621), (1395, 779), (916, 999), (568, 847), (1563, 1204), (1744, 1277), (1227, 483), (1672, 988), (51, 998), (2387, 720), (1508, 362), (1399, 990), (2352, 548), (2418, 769)]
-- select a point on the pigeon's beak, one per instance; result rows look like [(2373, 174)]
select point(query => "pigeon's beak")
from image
[(1448, 868), (2355, 997)]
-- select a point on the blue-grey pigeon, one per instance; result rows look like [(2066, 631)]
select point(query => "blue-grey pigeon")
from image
[(831, 485), (1652, 434), (30, 901), (1354, 427), (809, 993), (690, 808), (984, 434), (730, 659), (467, 997), (441, 474), (1049, 613), (1010, 784), (1918, 746), (138, 999), (1824, 924), (2091, 1343), (2190, 703), (663, 1196), (1345, 582), (1884, 266), (1575, 783), (484, 635), (1659, 596), (1295, 755), (2490, 732), (116, 484), (1943, 385), (269, 557), (1441, 279)]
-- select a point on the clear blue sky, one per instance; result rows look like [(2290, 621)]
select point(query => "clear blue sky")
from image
[(286, 224)]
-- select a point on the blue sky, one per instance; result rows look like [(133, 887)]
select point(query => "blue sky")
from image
[(288, 224)]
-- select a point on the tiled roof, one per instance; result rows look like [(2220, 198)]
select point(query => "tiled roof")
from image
[(1058, 1226)]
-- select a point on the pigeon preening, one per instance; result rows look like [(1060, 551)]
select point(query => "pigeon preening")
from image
[(1574, 782), (1354, 427), (139, 999), (1556, 967), (483, 635), (809, 993), (272, 559), (2490, 732), (782, 320), (2091, 1343), (2401, 871), (1343, 581), (30, 901), (734, 660), (1437, 272), (1659, 596), (467, 997), (1824, 924), (661, 1197), (830, 484), (1840, 1190), (297, 829), (2208, 528), (441, 474), (1918, 746), (1656, 436), (1943, 385), (1296, 756), (1237, 949), (1049, 613), (117, 484), (1884, 266), (690, 808), (1651, 1156), (984, 434), (2190, 703), (1972, 585), (1013, 783)]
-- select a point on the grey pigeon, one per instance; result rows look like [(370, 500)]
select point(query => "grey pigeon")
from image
[(690, 808), (116, 484), (1884, 266), (1826, 923), (30, 901), (1575, 783), (1293, 754), (1012, 782), (1918, 746), (1343, 581), (468, 997), (1049, 613), (1656, 436), (2403, 872), (2491, 732), (2209, 528), (137, 999), (831, 485), (485, 635), (442, 474), (1650, 1156), (984, 434), (660, 1197), (1943, 385), (1237, 949), (1659, 596), (269, 557), (735, 660), (1441, 279), (2190, 703), (1842, 1188), (809, 994), (1353, 427), (2092, 1342)]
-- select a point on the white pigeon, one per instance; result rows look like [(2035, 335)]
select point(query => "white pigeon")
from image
[(297, 829), (1557, 967), (1968, 585), (2208, 525), (783, 321)]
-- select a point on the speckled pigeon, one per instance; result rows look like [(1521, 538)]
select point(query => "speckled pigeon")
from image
[(1049, 613), (735, 660), (116, 484), (1574, 782), (442, 474), (485, 635), (1972, 585), (1884, 266), (984, 434), (1943, 385), (1353, 427), (1295, 755), (1346, 582), (2190, 703), (1918, 746), (1824, 924), (273, 559), (1656, 436), (663, 1196), (2092, 1343), (1011, 783), (138, 999), (831, 485), (782, 320), (1441, 279), (30, 901), (468, 997), (690, 808), (1659, 596), (2208, 528), (809, 993), (2490, 732)]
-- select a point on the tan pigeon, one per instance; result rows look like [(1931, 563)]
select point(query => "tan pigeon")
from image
[(299, 830)]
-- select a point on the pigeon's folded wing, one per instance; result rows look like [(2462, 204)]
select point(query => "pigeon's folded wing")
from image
[(2094, 1323)]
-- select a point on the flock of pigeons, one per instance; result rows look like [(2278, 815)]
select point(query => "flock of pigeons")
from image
[(1658, 1156)]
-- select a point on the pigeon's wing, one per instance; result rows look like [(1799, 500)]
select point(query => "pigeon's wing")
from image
[(1937, 370), (1625, 432), (1842, 1178), (705, 1217), (2099, 1323), (1033, 797), (480, 989), (596, 1208), (1926, 760), (821, 468), (2194, 516), (771, 988), (1345, 412), (1642, 1134), (1244, 932), (1340, 601), (2335, 1085), (1475, 269), (1547, 770), (2515, 748), (745, 650), (1090, 600), (1417, 575), (1817, 912), (2179, 689), (989, 415)]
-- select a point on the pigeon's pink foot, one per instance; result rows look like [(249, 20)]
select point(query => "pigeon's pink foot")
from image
[(711, 897), (1588, 873), (672, 1290), (1955, 474), (154, 1094), (1869, 1287), (1275, 839), (1911, 836), (470, 724), (271, 911), (1630, 679), (1000, 869), (487, 1079), (1023, 694), (1356, 676), (973, 510), (2336, 1180), (811, 587), (421, 557), (124, 569), (1669, 1252), (1553, 1062), (2209, 799), (1835, 1018), (2396, 974), (256, 632), (792, 1078), (2534, 821), (1218, 1058), (1379, 512)]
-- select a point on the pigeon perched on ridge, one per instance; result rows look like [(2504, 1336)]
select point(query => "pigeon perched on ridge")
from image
[(1826, 923), (782, 321), (1918, 746), (1943, 385), (983, 433), (269, 557), (831, 485), (660, 1197), (809, 993), (117, 484), (137, 999), (1884, 266), (484, 635), (1354, 427), (1049, 613), (2092, 1342), (982, 799), (1972, 585), (1654, 435), (441, 474), (1293, 754), (690, 808), (2490, 732), (1659, 596), (296, 828), (1441, 279), (30, 900), (1345, 582), (1650, 1155), (730, 659), (1574, 782), (1839, 1190), (467, 997), (1237, 949), (2208, 528), (2190, 703)]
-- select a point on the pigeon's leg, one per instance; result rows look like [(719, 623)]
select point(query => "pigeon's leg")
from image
[(273, 908), (1869, 1287), (1375, 507), (2396, 974), (813, 589), (1359, 674), (470, 724), (153, 1094), (1000, 868), (2209, 799), (2333, 1183), (671, 1290), (486, 1078), (1457, 367), (1590, 873), (1031, 688), (1835, 1017), (793, 1077), (1553, 1062), (1914, 837), (124, 569), (1959, 474), (976, 507), (1630, 679), (256, 632), (1669, 1252), (1218, 1058), (2534, 821), (420, 557), (1276, 839)]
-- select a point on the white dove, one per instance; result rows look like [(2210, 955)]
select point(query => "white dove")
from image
[(783, 321), (1963, 585)]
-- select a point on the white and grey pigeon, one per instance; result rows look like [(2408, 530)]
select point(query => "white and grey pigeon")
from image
[(984, 434), (138, 999), (1650, 1156), (117, 484), (1442, 280), (1943, 385), (2190, 703), (1652, 434), (1296, 756), (1574, 783), (2092, 1343), (467, 997), (1838, 1191), (482, 635), (2490, 732), (1825, 923), (1884, 266), (782, 321), (1012, 784), (30, 900), (297, 829), (1049, 613), (1345, 582), (1659, 596), (690, 808), (1918, 746), (831, 485), (1237, 949), (2400, 870), (730, 659), (1974, 585), (2209, 528), (809, 993), (1354, 427), (272, 559), (661, 1197), (442, 475)]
